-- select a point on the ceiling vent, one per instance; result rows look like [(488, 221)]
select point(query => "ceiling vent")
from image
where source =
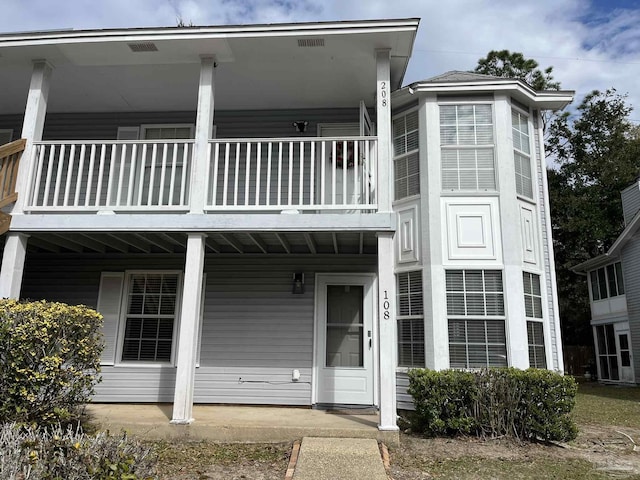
[(143, 47), (310, 42)]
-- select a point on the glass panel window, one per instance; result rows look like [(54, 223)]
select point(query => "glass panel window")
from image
[(607, 282), (477, 343), (150, 317), (607, 352), (474, 292), (535, 337), (532, 295), (467, 153), (410, 319), (522, 153), (406, 156)]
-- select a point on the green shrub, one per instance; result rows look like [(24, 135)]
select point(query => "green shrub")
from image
[(531, 404), (58, 454), (49, 360)]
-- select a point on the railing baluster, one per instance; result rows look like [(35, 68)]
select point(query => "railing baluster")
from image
[(103, 152), (92, 157), (56, 190), (152, 174), (67, 186), (132, 174), (123, 159), (333, 172), (141, 175), (279, 174), (236, 176), (186, 166), (258, 166), (345, 166), (290, 179), (268, 192), (356, 160), (47, 186), (172, 180), (312, 174), (225, 186), (83, 153), (162, 172), (301, 182), (36, 186), (247, 172), (216, 161), (112, 166), (323, 162)]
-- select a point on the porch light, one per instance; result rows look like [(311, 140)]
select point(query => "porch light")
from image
[(298, 283), (300, 126)]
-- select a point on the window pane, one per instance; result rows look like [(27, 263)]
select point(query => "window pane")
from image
[(611, 339), (602, 283), (595, 290), (611, 277), (619, 278)]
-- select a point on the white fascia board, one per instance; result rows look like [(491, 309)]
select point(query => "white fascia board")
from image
[(238, 31), (550, 100), (614, 251), (202, 222)]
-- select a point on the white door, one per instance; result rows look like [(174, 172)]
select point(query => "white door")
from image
[(624, 352), (344, 336)]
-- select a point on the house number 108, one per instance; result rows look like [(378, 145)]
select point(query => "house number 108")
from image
[(385, 307)]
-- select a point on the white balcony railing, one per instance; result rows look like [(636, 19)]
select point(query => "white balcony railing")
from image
[(118, 175), (292, 174), (260, 175)]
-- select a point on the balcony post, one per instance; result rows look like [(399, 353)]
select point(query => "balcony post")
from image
[(15, 251), (32, 126), (204, 131), (383, 120), (188, 337)]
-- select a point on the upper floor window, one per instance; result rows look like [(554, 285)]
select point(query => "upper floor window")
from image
[(406, 157), (522, 153), (607, 282), (466, 137)]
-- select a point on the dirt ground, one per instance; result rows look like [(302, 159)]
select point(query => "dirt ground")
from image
[(611, 452)]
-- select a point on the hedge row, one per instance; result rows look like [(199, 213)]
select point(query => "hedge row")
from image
[(527, 404), (49, 360), (56, 454)]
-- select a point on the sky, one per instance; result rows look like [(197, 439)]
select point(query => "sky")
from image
[(591, 44)]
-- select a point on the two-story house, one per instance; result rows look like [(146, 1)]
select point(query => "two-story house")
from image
[(614, 294), (264, 216)]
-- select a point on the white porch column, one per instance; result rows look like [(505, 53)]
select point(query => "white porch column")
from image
[(387, 332), (15, 250), (383, 121), (204, 131), (32, 126), (188, 333)]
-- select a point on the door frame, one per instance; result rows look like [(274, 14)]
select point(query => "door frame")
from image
[(370, 302)]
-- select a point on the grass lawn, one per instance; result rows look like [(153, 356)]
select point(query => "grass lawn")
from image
[(608, 405)]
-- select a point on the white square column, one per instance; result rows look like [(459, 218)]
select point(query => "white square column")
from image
[(15, 251), (188, 332)]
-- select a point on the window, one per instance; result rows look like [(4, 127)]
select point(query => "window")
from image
[(406, 158), (607, 355), (466, 137), (410, 319), (151, 313), (522, 154), (607, 282), (476, 341), (162, 132), (535, 328)]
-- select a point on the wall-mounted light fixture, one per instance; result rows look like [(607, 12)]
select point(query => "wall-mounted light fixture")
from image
[(300, 126), (298, 283)]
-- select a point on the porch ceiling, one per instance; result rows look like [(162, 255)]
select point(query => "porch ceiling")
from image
[(222, 243), (259, 67)]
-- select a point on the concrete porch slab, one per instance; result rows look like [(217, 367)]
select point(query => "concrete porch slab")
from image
[(223, 423)]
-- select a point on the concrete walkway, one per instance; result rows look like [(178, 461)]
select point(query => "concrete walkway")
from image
[(339, 458), (224, 423)]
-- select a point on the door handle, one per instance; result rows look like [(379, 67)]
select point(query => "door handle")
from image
[(369, 344)]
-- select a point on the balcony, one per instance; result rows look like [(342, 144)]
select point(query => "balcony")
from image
[(268, 175)]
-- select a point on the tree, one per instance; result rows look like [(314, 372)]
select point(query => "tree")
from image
[(503, 63)]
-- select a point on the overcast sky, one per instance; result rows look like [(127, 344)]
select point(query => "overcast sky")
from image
[(592, 44)]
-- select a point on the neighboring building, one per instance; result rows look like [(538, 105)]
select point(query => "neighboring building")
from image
[(614, 293), (264, 216)]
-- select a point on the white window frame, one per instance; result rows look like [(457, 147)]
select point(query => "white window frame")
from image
[(150, 126), (122, 323), (413, 318), (468, 317), (406, 155), (7, 131), (523, 115), (607, 281), (476, 147)]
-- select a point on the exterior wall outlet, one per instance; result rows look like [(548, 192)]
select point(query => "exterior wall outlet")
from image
[(295, 375)]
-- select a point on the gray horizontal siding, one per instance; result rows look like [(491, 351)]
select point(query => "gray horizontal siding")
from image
[(630, 202), (631, 272), (405, 401), (254, 333)]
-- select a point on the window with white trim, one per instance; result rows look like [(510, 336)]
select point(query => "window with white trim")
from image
[(533, 313), (410, 318), (150, 316), (476, 318), (406, 159), (522, 153), (467, 147), (607, 282)]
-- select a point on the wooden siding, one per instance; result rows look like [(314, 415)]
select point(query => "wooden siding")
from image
[(631, 272), (254, 333)]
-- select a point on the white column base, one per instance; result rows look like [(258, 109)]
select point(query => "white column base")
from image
[(15, 251), (181, 422)]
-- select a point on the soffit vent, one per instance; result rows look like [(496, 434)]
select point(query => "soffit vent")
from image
[(143, 47), (310, 42)]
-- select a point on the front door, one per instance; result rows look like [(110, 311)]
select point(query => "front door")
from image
[(345, 342), (624, 349)]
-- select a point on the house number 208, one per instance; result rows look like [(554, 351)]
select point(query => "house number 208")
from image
[(383, 94), (385, 306)]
